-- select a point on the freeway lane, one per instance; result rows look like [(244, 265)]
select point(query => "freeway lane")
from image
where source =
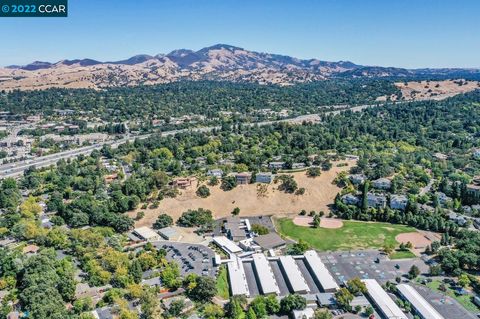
[(17, 169)]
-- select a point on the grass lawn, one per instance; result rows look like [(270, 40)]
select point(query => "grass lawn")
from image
[(464, 300), (353, 235), (402, 254), (223, 290)]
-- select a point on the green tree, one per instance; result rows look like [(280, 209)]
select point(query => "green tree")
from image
[(322, 314), (213, 311), (298, 248), (413, 272), (292, 302), (463, 280), (260, 229), (356, 286), (204, 290), (272, 304), (313, 171), (163, 220), (135, 270), (228, 183), (236, 211), (344, 298), (250, 314), (203, 191), (259, 307)]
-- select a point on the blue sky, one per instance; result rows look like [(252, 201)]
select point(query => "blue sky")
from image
[(403, 33)]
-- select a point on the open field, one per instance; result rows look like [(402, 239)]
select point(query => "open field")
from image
[(324, 222), (402, 254), (319, 193), (353, 235), (435, 90)]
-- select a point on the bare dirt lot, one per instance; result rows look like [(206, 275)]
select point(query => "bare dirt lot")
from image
[(420, 239), (324, 222), (319, 193)]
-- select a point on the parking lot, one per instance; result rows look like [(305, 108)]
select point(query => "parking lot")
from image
[(191, 258), (362, 264), (447, 306)]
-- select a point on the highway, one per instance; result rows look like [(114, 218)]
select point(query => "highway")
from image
[(16, 169)]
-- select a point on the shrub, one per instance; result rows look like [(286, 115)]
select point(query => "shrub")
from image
[(203, 191)]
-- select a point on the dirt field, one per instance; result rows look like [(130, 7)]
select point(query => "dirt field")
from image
[(324, 222), (435, 90), (319, 192), (420, 239)]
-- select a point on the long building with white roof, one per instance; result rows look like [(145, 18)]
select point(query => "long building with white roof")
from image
[(382, 300), (227, 245), (293, 275), (237, 278), (319, 272), (265, 275), (421, 306)]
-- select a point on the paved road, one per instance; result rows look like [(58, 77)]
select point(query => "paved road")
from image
[(16, 169)]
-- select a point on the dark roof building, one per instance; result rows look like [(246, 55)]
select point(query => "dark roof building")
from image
[(270, 241), (235, 228)]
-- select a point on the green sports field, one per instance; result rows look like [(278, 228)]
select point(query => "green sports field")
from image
[(353, 235)]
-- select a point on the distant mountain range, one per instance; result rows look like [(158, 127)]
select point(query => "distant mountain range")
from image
[(220, 62)]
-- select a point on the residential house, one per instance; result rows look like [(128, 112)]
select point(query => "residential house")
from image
[(377, 201), (398, 202), (218, 173), (440, 156), (152, 282), (476, 223), (442, 197), (243, 178), (306, 313), (276, 165), (459, 219), (183, 182), (103, 313), (83, 290), (298, 165), (382, 183), (357, 179), (476, 154), (350, 199), (263, 178), (31, 250), (352, 157), (187, 303), (474, 187)]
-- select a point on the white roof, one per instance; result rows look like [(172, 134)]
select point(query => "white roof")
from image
[(293, 274), (305, 313), (145, 232), (236, 277), (320, 272), (418, 302), (383, 301), (265, 274), (226, 244)]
